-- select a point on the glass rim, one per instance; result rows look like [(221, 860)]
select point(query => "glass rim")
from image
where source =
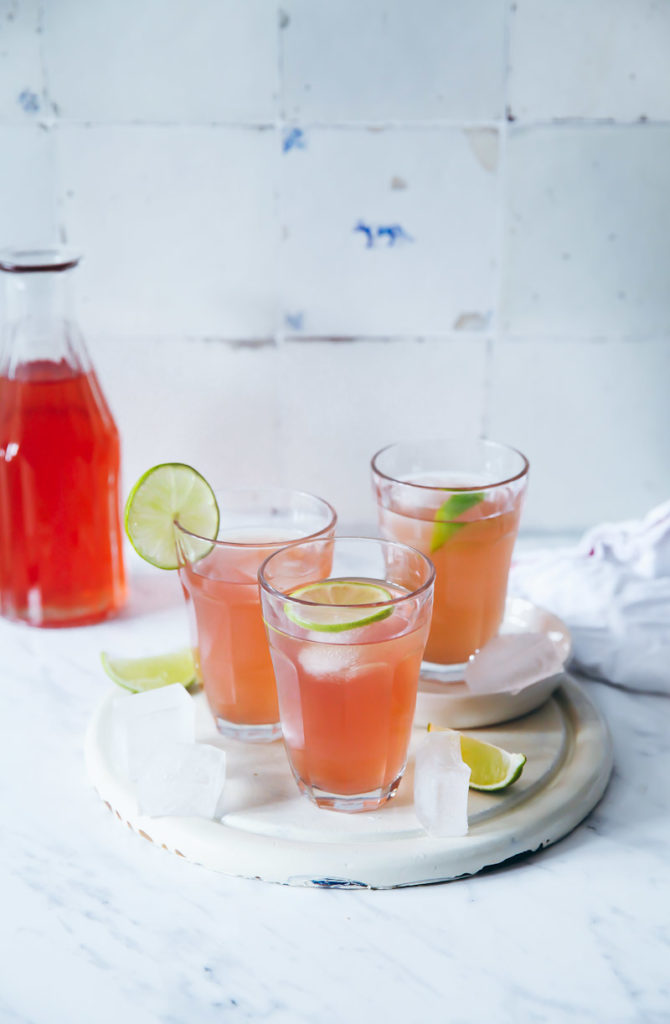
[(41, 259), (286, 491), (441, 487), (392, 601)]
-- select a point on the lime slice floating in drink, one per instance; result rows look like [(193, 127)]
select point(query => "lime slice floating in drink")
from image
[(492, 768), (164, 493), (335, 604), (149, 673), (456, 505)]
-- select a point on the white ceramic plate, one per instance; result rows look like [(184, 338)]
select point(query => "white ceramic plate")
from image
[(268, 830), (453, 704)]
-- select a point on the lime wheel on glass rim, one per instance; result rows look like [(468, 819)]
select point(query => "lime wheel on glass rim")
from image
[(165, 493)]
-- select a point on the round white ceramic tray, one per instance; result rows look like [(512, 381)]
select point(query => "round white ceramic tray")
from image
[(268, 830), (453, 704)]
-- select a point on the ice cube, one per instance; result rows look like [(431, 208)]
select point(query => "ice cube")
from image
[(319, 659), (143, 722), (441, 780), (182, 778), (512, 662), (290, 701)]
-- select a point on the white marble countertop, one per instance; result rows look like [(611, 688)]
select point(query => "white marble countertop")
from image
[(100, 926)]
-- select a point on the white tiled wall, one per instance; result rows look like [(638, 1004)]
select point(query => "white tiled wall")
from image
[(312, 228), (347, 399), (396, 61), (377, 238), (587, 230), (178, 227), (599, 59), (165, 61), (594, 420), (21, 74)]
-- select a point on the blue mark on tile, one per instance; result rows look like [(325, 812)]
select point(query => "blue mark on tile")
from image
[(394, 233), (390, 233), (366, 230), (294, 139), (294, 321), (29, 100)]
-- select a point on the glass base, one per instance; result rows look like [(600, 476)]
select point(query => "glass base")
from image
[(265, 733), (442, 673), (350, 803)]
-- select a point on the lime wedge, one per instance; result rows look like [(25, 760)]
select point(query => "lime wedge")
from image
[(141, 674), (492, 768), (164, 493), (335, 603), (453, 507)]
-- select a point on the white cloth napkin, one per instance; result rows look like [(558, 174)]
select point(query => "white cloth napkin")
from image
[(613, 592)]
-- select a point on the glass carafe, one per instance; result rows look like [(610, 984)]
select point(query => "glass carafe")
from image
[(61, 556)]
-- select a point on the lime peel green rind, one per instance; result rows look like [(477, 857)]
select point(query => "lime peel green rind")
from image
[(150, 672), (326, 615), (455, 505), (169, 491)]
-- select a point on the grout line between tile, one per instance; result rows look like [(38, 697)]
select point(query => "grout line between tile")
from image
[(500, 227), (280, 123)]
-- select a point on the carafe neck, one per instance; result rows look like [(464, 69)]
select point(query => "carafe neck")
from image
[(39, 323)]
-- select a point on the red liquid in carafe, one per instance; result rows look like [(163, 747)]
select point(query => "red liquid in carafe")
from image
[(61, 559)]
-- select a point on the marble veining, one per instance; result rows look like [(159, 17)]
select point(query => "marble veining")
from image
[(100, 925)]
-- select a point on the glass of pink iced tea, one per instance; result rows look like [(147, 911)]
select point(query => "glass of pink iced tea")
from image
[(220, 583), (459, 502), (346, 647)]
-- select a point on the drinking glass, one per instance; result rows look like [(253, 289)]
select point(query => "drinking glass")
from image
[(219, 579), (347, 673), (458, 501)]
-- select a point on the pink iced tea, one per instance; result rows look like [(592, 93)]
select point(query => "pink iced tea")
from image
[(459, 502), (233, 656), (220, 582), (347, 706), (347, 654), (471, 569)]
